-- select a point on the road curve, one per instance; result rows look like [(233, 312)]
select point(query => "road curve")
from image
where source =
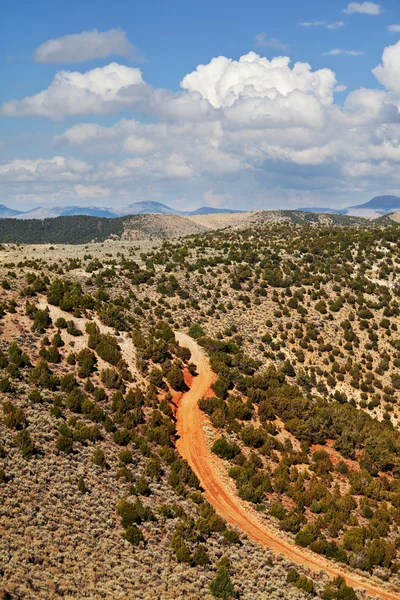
[(192, 446)]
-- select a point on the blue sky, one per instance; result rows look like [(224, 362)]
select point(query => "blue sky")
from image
[(275, 136)]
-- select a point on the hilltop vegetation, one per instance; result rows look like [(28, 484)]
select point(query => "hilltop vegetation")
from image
[(60, 230)]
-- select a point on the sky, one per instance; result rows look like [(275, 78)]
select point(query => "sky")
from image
[(226, 104)]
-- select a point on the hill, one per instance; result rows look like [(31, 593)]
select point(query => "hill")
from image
[(322, 209), (136, 208), (380, 204), (81, 229), (209, 210), (8, 212), (43, 212), (59, 230), (294, 362), (142, 208)]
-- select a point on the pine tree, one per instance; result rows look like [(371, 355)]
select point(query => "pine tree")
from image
[(221, 586)]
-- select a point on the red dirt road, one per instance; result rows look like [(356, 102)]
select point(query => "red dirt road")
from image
[(193, 447)]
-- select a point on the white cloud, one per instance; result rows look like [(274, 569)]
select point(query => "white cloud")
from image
[(335, 25), (79, 47), (237, 131), (216, 200), (97, 91), (328, 25), (57, 169), (223, 81), (388, 73), (364, 8), (338, 51), (91, 191), (394, 28), (263, 41)]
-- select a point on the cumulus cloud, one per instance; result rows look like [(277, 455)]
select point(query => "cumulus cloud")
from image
[(338, 51), (97, 91), (91, 191), (54, 169), (263, 41), (394, 28), (223, 81), (388, 72), (234, 130), (364, 8), (87, 45)]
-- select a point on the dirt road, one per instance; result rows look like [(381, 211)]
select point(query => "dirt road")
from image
[(193, 447)]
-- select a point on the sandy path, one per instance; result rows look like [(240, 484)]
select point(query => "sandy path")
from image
[(193, 447)]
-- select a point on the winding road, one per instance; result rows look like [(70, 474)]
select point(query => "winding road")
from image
[(193, 447)]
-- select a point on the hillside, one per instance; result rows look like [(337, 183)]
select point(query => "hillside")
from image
[(6, 212), (283, 396), (60, 230), (81, 229), (380, 203)]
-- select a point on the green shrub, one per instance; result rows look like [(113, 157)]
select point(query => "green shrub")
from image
[(196, 331), (14, 416), (200, 556), (98, 458), (221, 586), (224, 449), (24, 442), (133, 535), (64, 444), (35, 396)]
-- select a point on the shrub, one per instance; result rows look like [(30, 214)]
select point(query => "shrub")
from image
[(98, 458), (42, 321), (125, 457), (221, 586), (16, 356), (86, 360), (5, 385), (155, 377), (305, 584), (35, 396), (307, 535), (175, 378), (141, 487), (74, 400), (122, 437), (196, 331), (200, 556), (14, 416), (133, 535), (24, 442), (81, 485), (109, 350), (224, 449), (64, 444), (338, 590)]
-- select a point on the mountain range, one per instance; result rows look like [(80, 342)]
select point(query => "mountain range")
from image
[(137, 208), (380, 205)]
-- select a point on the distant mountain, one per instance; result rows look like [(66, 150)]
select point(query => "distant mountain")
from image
[(380, 204), (146, 208), (324, 209), (137, 208), (43, 212), (8, 212), (209, 210)]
